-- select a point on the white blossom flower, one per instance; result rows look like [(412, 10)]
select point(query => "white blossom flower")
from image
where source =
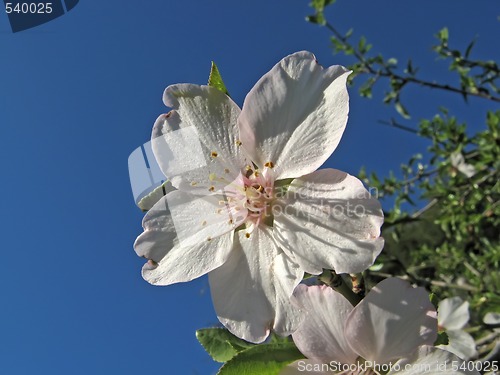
[(249, 208), (458, 161), (390, 331), (453, 315)]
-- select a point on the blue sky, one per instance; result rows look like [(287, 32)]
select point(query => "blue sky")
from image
[(80, 93)]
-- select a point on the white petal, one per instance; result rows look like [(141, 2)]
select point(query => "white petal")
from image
[(321, 334), (147, 202), (328, 219), (246, 290), (432, 361), (295, 115), (159, 234), (287, 275), (460, 343), (492, 318), (181, 219), (183, 264), (453, 313), (391, 321), (200, 218), (196, 145)]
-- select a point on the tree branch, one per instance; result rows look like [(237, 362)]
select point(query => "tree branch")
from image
[(388, 73)]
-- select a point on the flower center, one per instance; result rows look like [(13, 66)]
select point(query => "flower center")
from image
[(255, 194)]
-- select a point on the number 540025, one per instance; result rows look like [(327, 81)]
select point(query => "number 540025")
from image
[(32, 8)]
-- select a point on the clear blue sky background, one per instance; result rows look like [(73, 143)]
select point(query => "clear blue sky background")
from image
[(80, 93)]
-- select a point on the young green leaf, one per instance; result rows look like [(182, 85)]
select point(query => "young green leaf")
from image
[(442, 339), (215, 79), (265, 359), (220, 343), (443, 35)]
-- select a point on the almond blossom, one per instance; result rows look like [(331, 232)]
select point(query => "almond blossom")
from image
[(453, 316), (389, 332), (249, 206)]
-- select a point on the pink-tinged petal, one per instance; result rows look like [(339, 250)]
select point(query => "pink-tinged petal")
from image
[(321, 334), (187, 223), (159, 234), (196, 144), (328, 220), (391, 322), (245, 290), (287, 275), (295, 115), (306, 367), (432, 361), (453, 313), (182, 264), (461, 344), (199, 219)]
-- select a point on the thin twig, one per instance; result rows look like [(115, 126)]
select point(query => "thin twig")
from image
[(487, 339), (493, 355), (388, 73), (397, 125), (425, 208), (419, 176), (425, 282), (336, 282)]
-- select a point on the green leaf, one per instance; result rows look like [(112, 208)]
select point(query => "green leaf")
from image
[(265, 359), (319, 5), (215, 79), (363, 46), (220, 343), (443, 35), (318, 19), (442, 339)]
